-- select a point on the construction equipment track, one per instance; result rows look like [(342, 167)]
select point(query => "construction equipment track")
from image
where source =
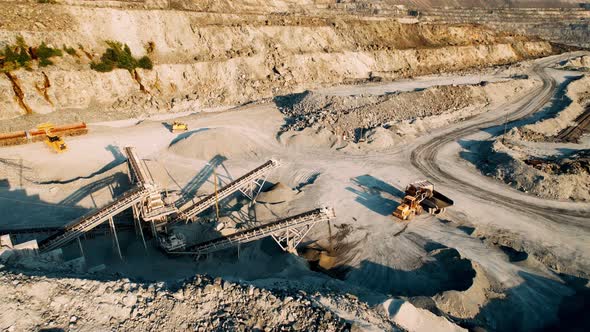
[(424, 158)]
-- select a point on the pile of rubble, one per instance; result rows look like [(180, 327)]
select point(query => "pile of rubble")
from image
[(347, 116), (198, 304), (578, 163)]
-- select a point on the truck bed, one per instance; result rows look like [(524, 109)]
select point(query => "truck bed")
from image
[(440, 200)]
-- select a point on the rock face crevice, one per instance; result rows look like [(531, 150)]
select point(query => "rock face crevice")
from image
[(43, 88), (19, 95)]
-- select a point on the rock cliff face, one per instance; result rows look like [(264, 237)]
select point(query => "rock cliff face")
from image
[(208, 59), (560, 25)]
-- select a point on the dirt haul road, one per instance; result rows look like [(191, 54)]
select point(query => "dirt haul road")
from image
[(426, 157)]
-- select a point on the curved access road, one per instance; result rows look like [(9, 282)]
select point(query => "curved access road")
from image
[(425, 157)]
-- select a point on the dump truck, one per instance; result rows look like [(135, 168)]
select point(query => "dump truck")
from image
[(178, 127), (420, 196)]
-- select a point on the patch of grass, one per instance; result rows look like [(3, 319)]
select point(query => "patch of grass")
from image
[(118, 55), (70, 50)]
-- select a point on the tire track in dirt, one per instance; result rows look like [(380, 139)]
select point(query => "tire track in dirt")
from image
[(424, 158)]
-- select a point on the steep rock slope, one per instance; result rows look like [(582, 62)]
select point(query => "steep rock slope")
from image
[(203, 60)]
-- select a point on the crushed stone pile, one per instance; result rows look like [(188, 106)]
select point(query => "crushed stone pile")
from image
[(346, 115), (199, 304), (278, 193), (577, 163), (205, 144), (560, 178)]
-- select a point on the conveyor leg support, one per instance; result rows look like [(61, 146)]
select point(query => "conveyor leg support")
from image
[(112, 224), (81, 248)]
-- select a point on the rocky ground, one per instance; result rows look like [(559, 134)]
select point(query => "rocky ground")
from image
[(548, 157), (308, 75), (198, 304), (386, 117)]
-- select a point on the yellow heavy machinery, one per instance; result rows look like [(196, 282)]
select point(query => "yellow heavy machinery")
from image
[(55, 142), (421, 196), (178, 127)]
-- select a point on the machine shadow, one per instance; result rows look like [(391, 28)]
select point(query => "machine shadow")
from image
[(118, 159), (370, 192), (188, 192), (185, 135)]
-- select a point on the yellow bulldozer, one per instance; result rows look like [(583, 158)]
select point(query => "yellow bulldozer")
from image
[(178, 127), (420, 196), (55, 142)]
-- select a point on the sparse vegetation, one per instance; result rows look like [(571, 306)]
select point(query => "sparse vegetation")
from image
[(15, 56), (118, 55), (20, 55), (70, 50), (44, 53)]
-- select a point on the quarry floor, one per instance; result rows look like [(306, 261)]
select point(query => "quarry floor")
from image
[(523, 253)]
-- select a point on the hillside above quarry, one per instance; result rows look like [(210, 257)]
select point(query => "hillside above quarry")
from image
[(204, 60)]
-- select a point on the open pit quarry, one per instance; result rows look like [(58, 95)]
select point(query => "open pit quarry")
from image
[(289, 165)]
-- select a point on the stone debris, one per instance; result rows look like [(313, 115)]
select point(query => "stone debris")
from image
[(201, 303), (346, 115)]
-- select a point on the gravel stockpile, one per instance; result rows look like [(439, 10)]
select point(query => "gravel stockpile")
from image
[(346, 115)]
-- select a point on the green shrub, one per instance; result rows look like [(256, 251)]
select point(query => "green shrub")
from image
[(145, 62), (70, 50), (118, 55), (15, 56), (45, 52), (19, 55)]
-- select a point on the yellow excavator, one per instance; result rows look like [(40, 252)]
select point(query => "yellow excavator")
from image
[(55, 142), (419, 196), (178, 127)]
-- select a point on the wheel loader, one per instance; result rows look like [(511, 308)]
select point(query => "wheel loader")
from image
[(420, 196), (55, 142), (178, 127)]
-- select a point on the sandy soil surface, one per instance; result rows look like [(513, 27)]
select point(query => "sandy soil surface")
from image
[(499, 259)]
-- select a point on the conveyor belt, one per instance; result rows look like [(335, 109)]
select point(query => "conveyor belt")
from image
[(93, 219), (224, 192), (257, 233), (137, 168), (53, 229)]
